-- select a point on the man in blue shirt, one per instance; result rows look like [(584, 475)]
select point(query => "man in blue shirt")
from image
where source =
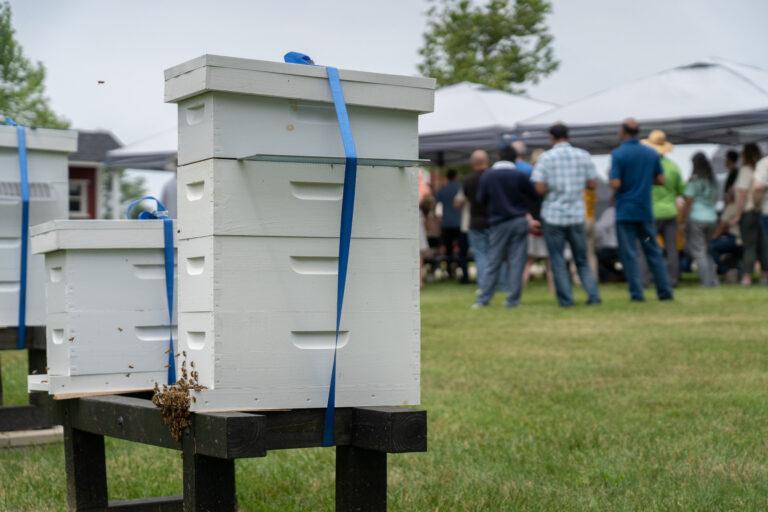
[(509, 196), (451, 226), (635, 168)]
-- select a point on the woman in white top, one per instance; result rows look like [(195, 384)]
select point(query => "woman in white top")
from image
[(748, 216)]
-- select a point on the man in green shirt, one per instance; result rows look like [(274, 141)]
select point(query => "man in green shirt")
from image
[(665, 201)]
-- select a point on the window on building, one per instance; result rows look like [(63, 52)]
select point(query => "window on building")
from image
[(78, 199)]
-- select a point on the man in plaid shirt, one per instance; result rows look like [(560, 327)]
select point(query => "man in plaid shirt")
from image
[(561, 175)]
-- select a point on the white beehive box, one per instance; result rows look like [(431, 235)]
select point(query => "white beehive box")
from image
[(230, 197), (107, 318), (48, 172), (233, 108), (258, 237)]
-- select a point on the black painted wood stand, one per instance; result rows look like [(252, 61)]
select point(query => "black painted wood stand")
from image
[(32, 416), (364, 437)]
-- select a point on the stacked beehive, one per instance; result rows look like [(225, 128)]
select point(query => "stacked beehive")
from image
[(260, 180), (48, 170), (107, 319)]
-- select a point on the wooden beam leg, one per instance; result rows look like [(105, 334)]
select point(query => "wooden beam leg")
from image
[(86, 470), (361, 480), (1, 380), (209, 482)]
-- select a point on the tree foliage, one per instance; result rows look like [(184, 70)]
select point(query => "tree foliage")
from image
[(22, 82), (130, 188), (503, 44)]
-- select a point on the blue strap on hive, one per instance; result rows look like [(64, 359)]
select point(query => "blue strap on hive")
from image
[(345, 232), (162, 213), (21, 136), (297, 58)]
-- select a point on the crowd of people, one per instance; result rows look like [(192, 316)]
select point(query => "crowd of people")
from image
[(518, 210)]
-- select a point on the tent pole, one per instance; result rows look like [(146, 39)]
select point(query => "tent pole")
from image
[(115, 194)]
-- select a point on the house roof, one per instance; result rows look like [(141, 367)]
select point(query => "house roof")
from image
[(92, 146)]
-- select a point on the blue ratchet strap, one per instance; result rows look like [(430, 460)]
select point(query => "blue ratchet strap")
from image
[(162, 213), (345, 232), (21, 136)]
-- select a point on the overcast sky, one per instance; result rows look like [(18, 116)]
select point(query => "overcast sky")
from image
[(128, 44)]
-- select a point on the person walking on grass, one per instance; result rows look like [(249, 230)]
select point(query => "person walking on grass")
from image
[(561, 175), (665, 202), (508, 195), (451, 226), (635, 168), (748, 213), (699, 208), (479, 233), (761, 198)]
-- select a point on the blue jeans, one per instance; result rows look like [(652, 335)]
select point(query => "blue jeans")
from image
[(508, 243), (628, 234), (726, 253), (479, 241), (556, 237)]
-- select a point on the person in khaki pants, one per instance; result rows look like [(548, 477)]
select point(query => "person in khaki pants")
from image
[(665, 199)]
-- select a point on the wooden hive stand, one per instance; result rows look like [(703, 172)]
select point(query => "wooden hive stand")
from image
[(364, 437), (32, 416)]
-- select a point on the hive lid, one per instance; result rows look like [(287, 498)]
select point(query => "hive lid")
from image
[(57, 235), (41, 139), (296, 81)]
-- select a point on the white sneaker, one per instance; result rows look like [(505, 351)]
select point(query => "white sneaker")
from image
[(478, 305)]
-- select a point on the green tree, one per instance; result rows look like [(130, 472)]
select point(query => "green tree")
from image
[(22, 82), (130, 188), (500, 43)]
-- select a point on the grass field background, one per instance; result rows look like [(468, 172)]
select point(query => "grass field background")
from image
[(654, 406)]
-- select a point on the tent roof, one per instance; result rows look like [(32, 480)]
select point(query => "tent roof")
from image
[(469, 116), (713, 101), (154, 153)]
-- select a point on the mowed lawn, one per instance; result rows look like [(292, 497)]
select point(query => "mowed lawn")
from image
[(654, 406)]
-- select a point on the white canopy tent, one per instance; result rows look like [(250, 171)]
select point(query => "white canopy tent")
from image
[(713, 101), (469, 116), (154, 153)]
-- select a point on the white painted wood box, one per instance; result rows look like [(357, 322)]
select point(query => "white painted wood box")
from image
[(233, 108), (48, 172), (107, 318), (258, 237), (230, 197)]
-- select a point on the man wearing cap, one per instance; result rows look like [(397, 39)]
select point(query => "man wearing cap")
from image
[(665, 201), (561, 175), (635, 168)]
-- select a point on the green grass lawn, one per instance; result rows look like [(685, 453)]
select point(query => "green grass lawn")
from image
[(655, 406)]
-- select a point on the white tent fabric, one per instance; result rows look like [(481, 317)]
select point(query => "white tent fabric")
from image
[(468, 116), (713, 101), (154, 153)]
